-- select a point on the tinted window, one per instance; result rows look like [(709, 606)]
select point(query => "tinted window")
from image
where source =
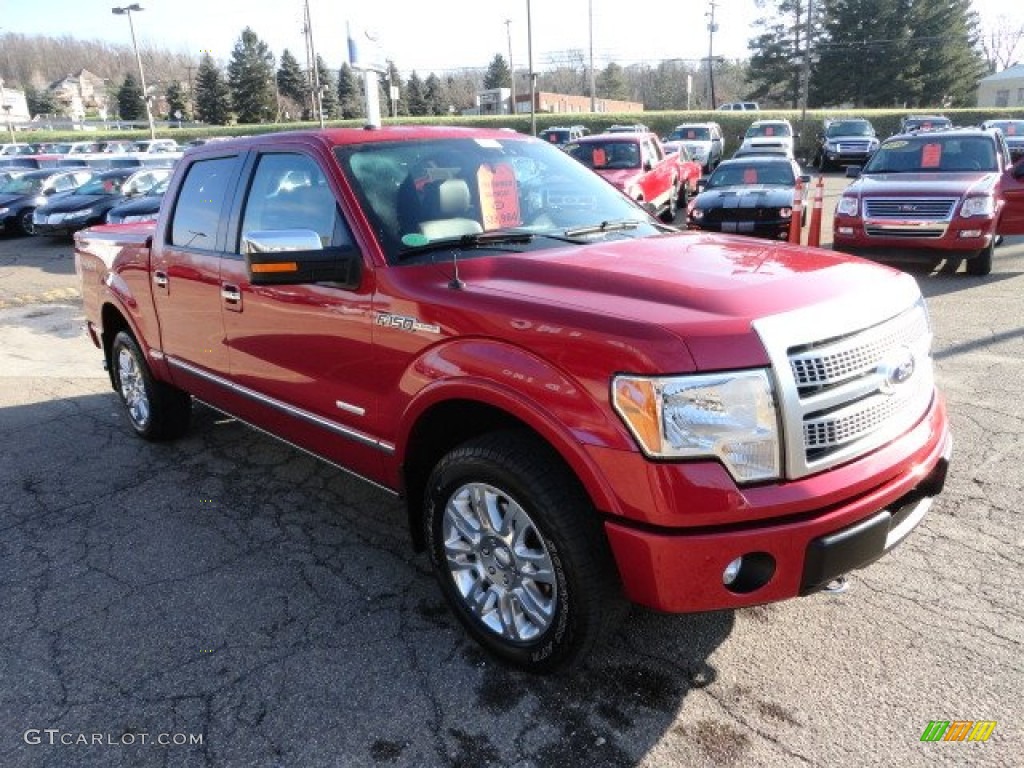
[(200, 201)]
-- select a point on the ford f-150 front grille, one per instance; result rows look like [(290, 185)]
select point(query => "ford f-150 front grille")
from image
[(844, 393)]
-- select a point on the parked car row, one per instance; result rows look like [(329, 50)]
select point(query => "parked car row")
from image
[(61, 201)]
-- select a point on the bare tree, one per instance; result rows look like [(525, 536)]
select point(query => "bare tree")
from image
[(1001, 41)]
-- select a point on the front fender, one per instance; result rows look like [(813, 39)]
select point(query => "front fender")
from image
[(569, 414)]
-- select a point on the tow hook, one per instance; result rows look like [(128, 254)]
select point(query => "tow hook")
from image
[(837, 586)]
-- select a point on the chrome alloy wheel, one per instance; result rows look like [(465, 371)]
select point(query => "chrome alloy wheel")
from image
[(133, 388), (499, 562)]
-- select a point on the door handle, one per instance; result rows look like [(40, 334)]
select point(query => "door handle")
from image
[(230, 293), (160, 279)]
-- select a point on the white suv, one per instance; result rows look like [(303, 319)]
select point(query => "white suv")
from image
[(774, 136)]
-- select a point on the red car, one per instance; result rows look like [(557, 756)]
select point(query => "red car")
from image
[(930, 195), (638, 164)]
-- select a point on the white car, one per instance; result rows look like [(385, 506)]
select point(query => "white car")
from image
[(773, 135), (704, 141)]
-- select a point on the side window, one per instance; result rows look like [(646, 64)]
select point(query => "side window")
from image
[(200, 201), (62, 183), (290, 191)]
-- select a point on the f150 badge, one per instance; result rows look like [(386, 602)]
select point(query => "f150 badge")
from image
[(405, 323)]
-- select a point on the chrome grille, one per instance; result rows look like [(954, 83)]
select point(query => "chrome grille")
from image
[(853, 146), (909, 208), (834, 362), (851, 376)]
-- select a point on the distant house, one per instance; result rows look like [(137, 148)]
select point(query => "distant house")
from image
[(497, 101), (14, 105), (80, 93), (1003, 89)]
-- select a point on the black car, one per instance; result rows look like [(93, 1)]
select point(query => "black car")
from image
[(749, 195), (89, 204), (142, 208), (1013, 133), (27, 190), (847, 141)]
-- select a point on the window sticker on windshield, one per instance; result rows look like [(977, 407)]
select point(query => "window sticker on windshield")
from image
[(553, 138), (931, 155), (599, 158), (894, 145), (1011, 130), (499, 196), (750, 175), (769, 130), (691, 134)]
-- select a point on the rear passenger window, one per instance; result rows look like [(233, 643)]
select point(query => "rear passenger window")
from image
[(197, 213)]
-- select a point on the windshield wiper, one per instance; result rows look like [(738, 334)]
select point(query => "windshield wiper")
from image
[(474, 240), (604, 226)]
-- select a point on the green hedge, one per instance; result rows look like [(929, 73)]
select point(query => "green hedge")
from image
[(734, 124)]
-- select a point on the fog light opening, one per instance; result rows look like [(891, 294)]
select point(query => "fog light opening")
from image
[(748, 572)]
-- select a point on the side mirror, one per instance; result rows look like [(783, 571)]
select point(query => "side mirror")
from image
[(702, 183), (852, 171), (296, 256), (805, 178), (648, 165)]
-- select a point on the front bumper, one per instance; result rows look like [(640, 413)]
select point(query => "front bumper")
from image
[(837, 521), (772, 229), (886, 238)]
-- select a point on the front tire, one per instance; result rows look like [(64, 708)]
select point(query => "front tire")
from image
[(981, 264), (156, 411), (25, 223), (519, 552), (669, 214)]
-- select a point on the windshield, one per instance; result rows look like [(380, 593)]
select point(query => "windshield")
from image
[(850, 128), (22, 185), (100, 186), (606, 155), (768, 129), (927, 123), (416, 193), (934, 153), (1008, 127), (686, 133), (735, 174)]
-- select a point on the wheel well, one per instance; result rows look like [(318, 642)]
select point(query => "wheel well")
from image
[(113, 323), (438, 431)]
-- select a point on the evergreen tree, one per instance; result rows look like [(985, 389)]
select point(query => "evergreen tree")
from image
[(498, 74), (611, 83), (213, 97), (328, 91), (778, 53), (177, 101), (414, 95), (130, 104), (433, 96), (350, 95), (40, 101), (948, 62), (387, 81), (251, 79), (292, 84)]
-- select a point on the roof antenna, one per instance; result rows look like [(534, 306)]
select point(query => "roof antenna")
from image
[(456, 283)]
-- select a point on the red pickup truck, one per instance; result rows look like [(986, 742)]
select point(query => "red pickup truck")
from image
[(637, 163), (580, 405)]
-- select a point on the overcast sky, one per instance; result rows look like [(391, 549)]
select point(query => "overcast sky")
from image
[(419, 35)]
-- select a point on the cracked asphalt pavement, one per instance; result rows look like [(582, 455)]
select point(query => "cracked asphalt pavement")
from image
[(226, 600)]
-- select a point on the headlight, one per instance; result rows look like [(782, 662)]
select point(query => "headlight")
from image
[(726, 416), (847, 206), (831, 146), (785, 213), (78, 214), (696, 213), (4, 211), (978, 206)]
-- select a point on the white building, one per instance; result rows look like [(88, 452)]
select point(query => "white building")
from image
[(1003, 89)]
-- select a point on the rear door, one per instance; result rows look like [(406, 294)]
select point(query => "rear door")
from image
[(1011, 222)]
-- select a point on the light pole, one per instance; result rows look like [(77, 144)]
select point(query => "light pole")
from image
[(512, 69), (127, 11), (712, 28)]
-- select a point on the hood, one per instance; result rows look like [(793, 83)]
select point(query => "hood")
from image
[(753, 196), (6, 200), (945, 184), (78, 202), (144, 204), (623, 178), (691, 296)]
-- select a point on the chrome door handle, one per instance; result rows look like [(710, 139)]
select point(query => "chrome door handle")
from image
[(160, 279), (230, 293)]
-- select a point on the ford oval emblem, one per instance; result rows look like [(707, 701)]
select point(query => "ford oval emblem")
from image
[(897, 368)]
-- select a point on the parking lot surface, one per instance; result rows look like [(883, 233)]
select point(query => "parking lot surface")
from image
[(226, 600)]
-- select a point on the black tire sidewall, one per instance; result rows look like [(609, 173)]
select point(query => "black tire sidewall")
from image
[(557, 642)]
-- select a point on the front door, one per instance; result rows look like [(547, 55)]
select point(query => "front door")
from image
[(1011, 222)]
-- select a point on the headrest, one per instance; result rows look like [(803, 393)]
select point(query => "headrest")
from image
[(452, 197)]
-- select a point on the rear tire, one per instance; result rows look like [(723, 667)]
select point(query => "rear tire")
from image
[(669, 214), (520, 553), (156, 411)]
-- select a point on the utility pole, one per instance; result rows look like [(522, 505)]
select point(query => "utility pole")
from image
[(593, 92), (191, 91), (508, 33), (315, 94), (806, 77), (712, 28), (533, 77)]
